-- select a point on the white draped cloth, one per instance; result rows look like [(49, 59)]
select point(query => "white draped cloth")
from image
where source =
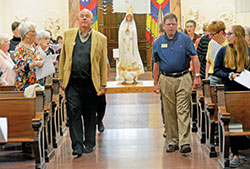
[(129, 57)]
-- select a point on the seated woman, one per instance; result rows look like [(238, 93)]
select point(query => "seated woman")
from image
[(6, 63), (230, 61), (27, 57)]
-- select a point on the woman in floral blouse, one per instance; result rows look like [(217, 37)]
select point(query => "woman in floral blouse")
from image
[(27, 57)]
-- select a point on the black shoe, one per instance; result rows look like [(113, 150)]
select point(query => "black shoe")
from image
[(77, 153), (87, 150), (101, 127), (185, 149), (172, 148)]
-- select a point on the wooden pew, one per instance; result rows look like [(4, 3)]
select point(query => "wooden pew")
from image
[(200, 115), (48, 121), (7, 88), (194, 112), (25, 124), (55, 111), (51, 99), (233, 107), (63, 112), (211, 119)]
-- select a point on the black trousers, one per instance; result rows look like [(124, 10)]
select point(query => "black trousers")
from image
[(239, 143), (81, 102), (101, 107)]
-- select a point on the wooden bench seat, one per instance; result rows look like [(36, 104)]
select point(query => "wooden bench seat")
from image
[(194, 112), (200, 115), (211, 117), (7, 88), (233, 107), (25, 124)]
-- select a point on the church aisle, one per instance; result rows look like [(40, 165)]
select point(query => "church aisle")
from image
[(132, 140)]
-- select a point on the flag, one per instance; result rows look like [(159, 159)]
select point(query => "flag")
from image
[(92, 6), (158, 8)]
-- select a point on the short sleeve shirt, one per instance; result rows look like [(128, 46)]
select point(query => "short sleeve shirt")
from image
[(174, 54)]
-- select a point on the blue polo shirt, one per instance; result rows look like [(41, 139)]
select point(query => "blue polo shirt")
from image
[(174, 54)]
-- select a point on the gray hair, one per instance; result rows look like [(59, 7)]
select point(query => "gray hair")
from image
[(85, 9), (24, 28), (3, 37), (42, 34), (247, 29)]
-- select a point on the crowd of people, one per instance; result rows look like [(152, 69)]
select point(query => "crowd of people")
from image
[(217, 55), (180, 61)]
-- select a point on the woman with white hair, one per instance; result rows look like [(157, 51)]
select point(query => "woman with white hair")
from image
[(43, 41), (6, 63), (27, 57)]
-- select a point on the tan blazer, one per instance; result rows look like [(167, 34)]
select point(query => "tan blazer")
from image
[(98, 59)]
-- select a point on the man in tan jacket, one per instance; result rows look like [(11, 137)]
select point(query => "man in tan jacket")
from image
[(83, 75)]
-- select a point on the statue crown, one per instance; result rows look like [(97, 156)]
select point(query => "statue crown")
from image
[(130, 9)]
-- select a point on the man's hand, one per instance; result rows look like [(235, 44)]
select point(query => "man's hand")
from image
[(101, 92), (197, 82), (157, 89), (61, 85)]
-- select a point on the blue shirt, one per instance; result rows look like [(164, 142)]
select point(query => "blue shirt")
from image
[(174, 54)]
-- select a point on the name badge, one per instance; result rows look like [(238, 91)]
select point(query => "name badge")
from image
[(164, 45)]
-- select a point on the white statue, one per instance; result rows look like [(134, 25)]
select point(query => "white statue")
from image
[(130, 64)]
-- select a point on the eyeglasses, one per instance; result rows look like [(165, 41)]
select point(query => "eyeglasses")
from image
[(171, 24), (229, 33), (46, 38), (32, 31), (86, 16), (213, 34)]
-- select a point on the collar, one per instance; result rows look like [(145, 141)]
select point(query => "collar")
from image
[(174, 38), (85, 38)]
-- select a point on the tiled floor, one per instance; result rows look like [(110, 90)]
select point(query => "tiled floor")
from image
[(132, 140)]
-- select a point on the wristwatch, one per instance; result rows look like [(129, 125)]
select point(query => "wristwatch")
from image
[(197, 75)]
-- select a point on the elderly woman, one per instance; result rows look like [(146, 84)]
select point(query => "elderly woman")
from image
[(6, 63), (27, 57), (43, 41)]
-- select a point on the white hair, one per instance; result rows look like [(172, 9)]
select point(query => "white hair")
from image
[(3, 37), (42, 34), (24, 28)]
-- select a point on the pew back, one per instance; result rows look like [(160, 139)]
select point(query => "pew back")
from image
[(19, 111)]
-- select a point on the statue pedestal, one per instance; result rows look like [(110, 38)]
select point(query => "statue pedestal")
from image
[(146, 86)]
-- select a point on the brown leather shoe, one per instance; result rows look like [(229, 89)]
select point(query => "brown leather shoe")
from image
[(172, 148), (185, 149)]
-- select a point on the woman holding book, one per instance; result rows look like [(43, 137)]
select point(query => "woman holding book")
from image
[(233, 59), (230, 61)]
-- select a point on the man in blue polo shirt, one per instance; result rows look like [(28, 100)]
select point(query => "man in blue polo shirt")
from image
[(173, 53)]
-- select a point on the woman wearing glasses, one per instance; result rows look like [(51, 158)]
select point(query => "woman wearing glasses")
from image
[(230, 61), (27, 57)]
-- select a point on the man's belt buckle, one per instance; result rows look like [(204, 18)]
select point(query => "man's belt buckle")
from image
[(179, 74)]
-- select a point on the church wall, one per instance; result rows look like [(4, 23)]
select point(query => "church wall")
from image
[(204, 10), (46, 14)]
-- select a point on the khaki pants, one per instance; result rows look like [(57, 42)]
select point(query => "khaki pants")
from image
[(176, 95)]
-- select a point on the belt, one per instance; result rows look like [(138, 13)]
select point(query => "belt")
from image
[(179, 74)]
